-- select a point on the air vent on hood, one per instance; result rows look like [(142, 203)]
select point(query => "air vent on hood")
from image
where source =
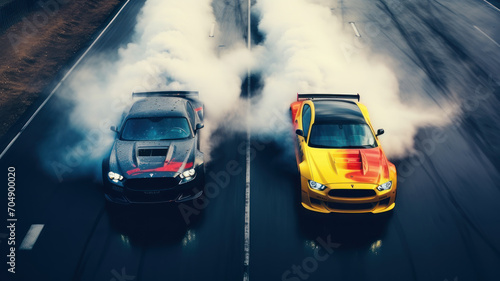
[(144, 152)]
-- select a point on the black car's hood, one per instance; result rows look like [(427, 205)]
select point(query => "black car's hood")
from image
[(144, 159)]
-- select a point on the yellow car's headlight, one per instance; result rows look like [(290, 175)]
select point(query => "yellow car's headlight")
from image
[(385, 186), (316, 186)]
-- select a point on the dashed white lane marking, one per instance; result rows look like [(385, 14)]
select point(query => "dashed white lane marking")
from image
[(493, 6), (212, 30), (246, 246), (356, 32), (487, 36), (31, 237), (60, 82)]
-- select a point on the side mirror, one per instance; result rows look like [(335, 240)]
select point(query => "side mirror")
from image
[(199, 126), (299, 132), (114, 129), (380, 132)]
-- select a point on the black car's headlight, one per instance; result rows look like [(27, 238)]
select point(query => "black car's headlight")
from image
[(115, 177), (385, 186), (187, 176), (316, 186)]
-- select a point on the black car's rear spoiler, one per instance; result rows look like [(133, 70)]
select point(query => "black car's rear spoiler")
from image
[(184, 94), (189, 95), (328, 96)]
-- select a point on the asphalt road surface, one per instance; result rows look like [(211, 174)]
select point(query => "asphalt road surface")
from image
[(446, 225)]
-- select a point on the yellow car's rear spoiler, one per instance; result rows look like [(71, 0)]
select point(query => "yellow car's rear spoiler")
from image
[(328, 96)]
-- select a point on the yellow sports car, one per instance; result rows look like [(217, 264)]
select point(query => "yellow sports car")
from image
[(342, 166)]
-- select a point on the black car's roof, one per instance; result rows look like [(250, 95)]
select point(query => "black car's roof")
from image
[(337, 111), (159, 107)]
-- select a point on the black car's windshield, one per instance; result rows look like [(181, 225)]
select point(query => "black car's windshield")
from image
[(157, 128), (341, 136)]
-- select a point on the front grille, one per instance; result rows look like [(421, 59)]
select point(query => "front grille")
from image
[(352, 193), (151, 183), (350, 207), (160, 196)]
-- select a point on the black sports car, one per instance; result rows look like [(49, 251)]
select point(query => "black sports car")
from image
[(156, 155)]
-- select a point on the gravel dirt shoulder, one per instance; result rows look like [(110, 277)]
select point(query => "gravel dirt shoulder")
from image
[(37, 47)]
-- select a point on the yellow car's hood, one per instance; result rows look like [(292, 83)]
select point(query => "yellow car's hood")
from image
[(329, 166)]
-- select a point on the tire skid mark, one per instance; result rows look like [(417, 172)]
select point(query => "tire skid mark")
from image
[(102, 254), (457, 206), (429, 62), (405, 245), (475, 74), (436, 27), (81, 262), (480, 138), (140, 266), (422, 61), (460, 226)]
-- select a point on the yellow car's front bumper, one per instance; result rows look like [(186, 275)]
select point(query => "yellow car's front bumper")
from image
[(344, 198)]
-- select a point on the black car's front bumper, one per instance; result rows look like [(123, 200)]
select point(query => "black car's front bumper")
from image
[(150, 190)]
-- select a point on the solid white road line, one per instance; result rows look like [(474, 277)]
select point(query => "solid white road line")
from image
[(355, 29), (60, 82), (31, 237), (246, 246), (493, 6), (491, 39)]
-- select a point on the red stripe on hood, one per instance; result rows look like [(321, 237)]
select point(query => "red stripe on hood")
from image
[(171, 166), (373, 164)]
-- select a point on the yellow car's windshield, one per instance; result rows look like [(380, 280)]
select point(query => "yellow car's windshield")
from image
[(341, 136)]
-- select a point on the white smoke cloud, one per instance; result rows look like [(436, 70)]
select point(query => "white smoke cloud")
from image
[(171, 50), (306, 51)]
